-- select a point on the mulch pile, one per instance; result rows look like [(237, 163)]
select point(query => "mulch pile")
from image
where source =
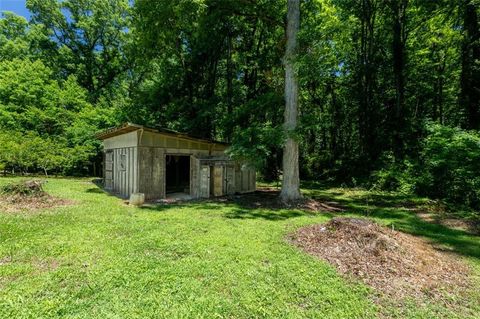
[(27, 196), (397, 265)]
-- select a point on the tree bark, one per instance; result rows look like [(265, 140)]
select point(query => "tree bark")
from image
[(399, 10), (367, 81), (291, 177), (470, 77)]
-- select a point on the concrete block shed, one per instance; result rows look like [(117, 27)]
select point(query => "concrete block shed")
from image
[(161, 164)]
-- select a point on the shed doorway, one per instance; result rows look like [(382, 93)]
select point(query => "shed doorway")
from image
[(177, 175)]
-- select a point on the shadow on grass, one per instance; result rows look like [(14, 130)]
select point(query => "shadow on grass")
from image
[(236, 212), (192, 204), (95, 190), (99, 189), (397, 211), (273, 215)]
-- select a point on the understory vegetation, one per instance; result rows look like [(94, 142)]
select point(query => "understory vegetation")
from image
[(446, 167), (100, 258)]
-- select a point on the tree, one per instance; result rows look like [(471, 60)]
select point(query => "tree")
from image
[(89, 40), (291, 175), (399, 16), (470, 78)]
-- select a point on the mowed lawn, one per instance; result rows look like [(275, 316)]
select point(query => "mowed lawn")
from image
[(99, 258)]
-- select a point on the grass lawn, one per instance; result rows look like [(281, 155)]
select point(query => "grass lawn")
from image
[(99, 258)]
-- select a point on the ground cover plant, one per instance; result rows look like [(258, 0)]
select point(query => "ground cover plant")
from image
[(100, 258)]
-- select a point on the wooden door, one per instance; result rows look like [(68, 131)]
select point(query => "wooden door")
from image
[(218, 180), (204, 181), (230, 179), (108, 177)]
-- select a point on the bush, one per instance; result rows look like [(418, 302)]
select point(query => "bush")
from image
[(447, 167), (394, 176), (450, 165)]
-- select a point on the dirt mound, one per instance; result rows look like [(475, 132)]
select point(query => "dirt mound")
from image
[(27, 196), (397, 265)]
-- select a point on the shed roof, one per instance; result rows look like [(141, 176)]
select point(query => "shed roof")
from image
[(131, 127)]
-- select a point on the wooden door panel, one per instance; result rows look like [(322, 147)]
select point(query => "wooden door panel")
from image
[(204, 181), (230, 180), (218, 181)]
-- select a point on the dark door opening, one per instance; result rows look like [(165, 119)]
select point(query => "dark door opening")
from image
[(177, 173)]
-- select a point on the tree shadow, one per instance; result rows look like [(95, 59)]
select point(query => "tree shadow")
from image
[(396, 211), (272, 215), (95, 190), (99, 189), (200, 205)]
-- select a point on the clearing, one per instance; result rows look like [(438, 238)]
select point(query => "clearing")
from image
[(225, 258)]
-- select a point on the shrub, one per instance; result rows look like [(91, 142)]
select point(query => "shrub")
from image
[(450, 165), (447, 167), (394, 176)]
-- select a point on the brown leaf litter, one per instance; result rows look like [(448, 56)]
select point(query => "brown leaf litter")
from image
[(399, 266)]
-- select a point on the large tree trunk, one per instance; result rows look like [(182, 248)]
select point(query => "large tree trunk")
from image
[(399, 11), (291, 177), (470, 78), (366, 81)]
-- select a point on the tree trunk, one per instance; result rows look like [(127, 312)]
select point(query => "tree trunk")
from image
[(366, 81), (291, 177), (399, 10), (470, 77), (229, 128)]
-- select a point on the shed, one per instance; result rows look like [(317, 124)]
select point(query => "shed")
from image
[(161, 163)]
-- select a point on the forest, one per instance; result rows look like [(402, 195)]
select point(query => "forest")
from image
[(388, 96)]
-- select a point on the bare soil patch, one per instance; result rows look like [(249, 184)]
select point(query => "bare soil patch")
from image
[(15, 204), (399, 266), (438, 213), (28, 196), (268, 198)]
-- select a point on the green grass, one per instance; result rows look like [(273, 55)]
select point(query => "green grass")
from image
[(102, 259)]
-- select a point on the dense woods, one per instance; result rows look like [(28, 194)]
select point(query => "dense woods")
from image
[(389, 90)]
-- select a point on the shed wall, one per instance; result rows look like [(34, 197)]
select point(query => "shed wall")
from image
[(121, 141), (153, 139), (245, 179), (125, 179)]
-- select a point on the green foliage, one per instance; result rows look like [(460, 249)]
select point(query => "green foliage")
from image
[(370, 73), (88, 39), (29, 152), (450, 162), (31, 99), (393, 176), (446, 168)]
